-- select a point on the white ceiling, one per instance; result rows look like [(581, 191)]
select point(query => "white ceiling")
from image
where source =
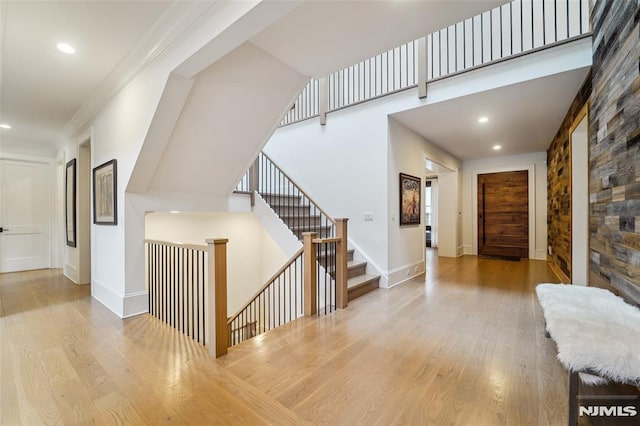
[(523, 117), (323, 36), (41, 87)]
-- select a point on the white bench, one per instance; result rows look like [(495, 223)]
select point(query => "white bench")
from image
[(597, 334)]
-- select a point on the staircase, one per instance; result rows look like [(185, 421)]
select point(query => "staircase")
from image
[(300, 217)]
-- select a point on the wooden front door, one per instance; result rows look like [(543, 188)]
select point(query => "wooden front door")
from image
[(503, 214)]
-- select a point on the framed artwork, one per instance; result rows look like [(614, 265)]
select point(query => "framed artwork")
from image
[(409, 200), (70, 203), (105, 203)]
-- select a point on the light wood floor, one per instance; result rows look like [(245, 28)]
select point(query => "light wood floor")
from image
[(465, 346)]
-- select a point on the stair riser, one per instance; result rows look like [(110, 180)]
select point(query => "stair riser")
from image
[(294, 222), (361, 290), (357, 270), (349, 257), (282, 200), (300, 211)]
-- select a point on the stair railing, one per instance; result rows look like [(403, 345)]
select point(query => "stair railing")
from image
[(276, 303), (186, 283), (290, 202), (312, 282)]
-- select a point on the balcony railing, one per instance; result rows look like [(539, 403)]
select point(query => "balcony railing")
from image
[(506, 31)]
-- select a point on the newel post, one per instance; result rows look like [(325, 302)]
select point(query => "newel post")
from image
[(310, 258), (342, 296), (217, 331)]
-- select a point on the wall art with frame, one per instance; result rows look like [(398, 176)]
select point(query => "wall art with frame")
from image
[(70, 203), (409, 200), (105, 197)]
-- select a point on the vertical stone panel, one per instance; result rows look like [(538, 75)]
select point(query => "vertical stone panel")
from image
[(614, 148), (559, 186)]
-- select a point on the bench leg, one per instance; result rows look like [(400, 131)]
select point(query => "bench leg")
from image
[(546, 332), (574, 381)]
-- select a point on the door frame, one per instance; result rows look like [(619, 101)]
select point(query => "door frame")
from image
[(531, 171), (51, 165), (580, 251), (84, 191)]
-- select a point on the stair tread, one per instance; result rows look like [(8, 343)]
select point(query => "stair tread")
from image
[(361, 280), (355, 263)]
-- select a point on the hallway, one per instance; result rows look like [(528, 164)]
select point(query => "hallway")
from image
[(466, 347)]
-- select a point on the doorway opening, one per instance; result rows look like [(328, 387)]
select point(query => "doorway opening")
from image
[(431, 211), (84, 212)]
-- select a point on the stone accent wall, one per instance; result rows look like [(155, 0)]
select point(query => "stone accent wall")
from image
[(559, 187), (614, 148)]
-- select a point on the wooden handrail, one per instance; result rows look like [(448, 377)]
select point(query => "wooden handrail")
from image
[(197, 247), (331, 219), (326, 240), (267, 284)]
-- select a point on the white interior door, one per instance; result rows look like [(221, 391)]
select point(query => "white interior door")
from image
[(25, 204)]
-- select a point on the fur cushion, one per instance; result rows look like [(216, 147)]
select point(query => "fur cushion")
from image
[(594, 330)]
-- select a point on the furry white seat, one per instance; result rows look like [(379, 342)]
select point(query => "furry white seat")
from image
[(595, 331)]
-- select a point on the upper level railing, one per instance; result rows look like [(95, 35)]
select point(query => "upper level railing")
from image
[(391, 71), (509, 30), (306, 106)]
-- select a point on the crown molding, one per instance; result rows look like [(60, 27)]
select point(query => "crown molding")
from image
[(174, 22)]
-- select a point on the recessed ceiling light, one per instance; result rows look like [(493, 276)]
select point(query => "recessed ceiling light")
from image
[(66, 48), (5, 126), (483, 120), (174, 211), (497, 147)]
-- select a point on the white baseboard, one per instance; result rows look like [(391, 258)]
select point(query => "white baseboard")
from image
[(541, 254), (405, 273), (135, 304), (468, 250), (460, 251), (71, 272), (107, 297)]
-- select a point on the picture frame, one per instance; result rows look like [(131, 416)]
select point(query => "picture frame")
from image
[(105, 196), (410, 199), (70, 203)]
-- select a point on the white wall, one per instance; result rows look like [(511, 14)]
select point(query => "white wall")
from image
[(119, 129), (448, 213), (536, 163), (407, 153), (252, 255), (343, 166), (350, 167), (25, 147)]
